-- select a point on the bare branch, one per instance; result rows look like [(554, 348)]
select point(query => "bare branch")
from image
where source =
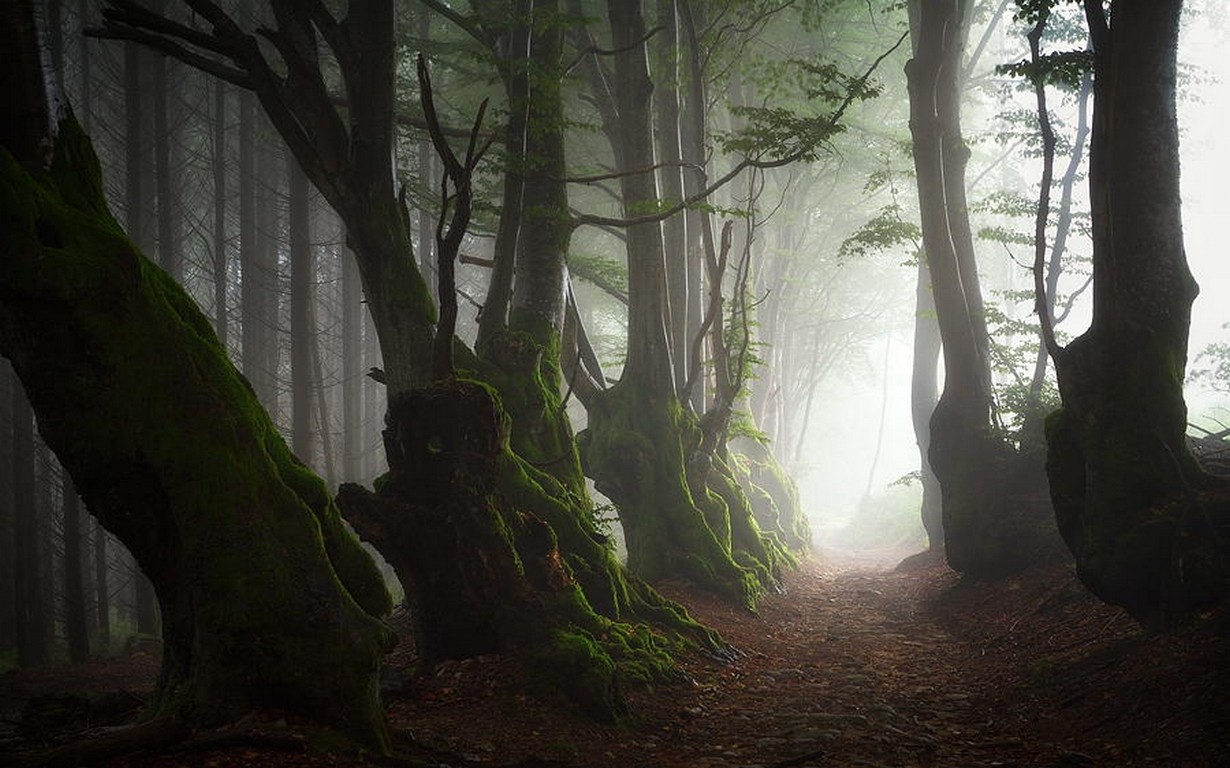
[(112, 30), (594, 50)]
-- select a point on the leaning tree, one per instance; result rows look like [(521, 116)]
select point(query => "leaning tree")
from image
[(268, 601)]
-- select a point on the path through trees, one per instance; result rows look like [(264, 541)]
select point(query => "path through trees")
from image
[(854, 666)]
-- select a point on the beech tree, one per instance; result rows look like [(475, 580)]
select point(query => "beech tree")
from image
[(1147, 525), (267, 600), (517, 503), (988, 524)]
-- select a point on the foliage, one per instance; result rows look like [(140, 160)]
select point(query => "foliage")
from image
[(884, 231), (1062, 68), (1212, 366), (781, 132), (605, 273)]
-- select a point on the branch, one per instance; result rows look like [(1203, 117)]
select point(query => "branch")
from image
[(116, 30), (448, 241), (621, 174), (467, 24), (594, 50), (716, 266), (851, 96), (1041, 305)]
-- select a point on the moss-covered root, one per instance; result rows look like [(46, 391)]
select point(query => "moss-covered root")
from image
[(469, 528), (266, 601), (636, 448), (772, 493), (760, 552)]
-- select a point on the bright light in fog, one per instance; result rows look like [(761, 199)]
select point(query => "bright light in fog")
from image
[(1203, 118), (843, 434)]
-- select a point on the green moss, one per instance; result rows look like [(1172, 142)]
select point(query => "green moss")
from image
[(173, 453)]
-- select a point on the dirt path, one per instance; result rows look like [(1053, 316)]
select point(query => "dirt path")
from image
[(856, 665)]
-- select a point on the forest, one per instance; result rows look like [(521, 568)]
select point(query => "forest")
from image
[(668, 383)]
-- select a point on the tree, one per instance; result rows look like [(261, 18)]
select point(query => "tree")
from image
[(1147, 526), (343, 144), (988, 526), (267, 600), (642, 443)]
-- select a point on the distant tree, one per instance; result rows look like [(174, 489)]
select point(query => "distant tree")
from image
[(76, 628), (31, 619), (8, 559)]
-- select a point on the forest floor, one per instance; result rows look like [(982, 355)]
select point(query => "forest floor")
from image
[(856, 664)]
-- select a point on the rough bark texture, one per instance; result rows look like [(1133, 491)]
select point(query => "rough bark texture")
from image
[(267, 600), (1148, 528)]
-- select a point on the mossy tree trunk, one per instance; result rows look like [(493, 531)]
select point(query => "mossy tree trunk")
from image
[(267, 601), (494, 497), (642, 447), (1148, 528)]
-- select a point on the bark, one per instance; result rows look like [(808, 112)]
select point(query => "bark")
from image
[(267, 601), (1147, 527)]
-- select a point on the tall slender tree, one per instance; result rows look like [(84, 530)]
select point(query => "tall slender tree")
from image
[(987, 527)]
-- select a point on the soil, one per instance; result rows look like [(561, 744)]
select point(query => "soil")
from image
[(856, 664)]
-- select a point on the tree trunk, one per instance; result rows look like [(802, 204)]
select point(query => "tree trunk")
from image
[(218, 161), (102, 590), (642, 447), (169, 256), (8, 555), (30, 619), (665, 51), (352, 371), (75, 623), (988, 528), (924, 392), (302, 276), (267, 601), (1147, 527)]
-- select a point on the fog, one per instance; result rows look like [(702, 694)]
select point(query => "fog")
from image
[(842, 439)]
